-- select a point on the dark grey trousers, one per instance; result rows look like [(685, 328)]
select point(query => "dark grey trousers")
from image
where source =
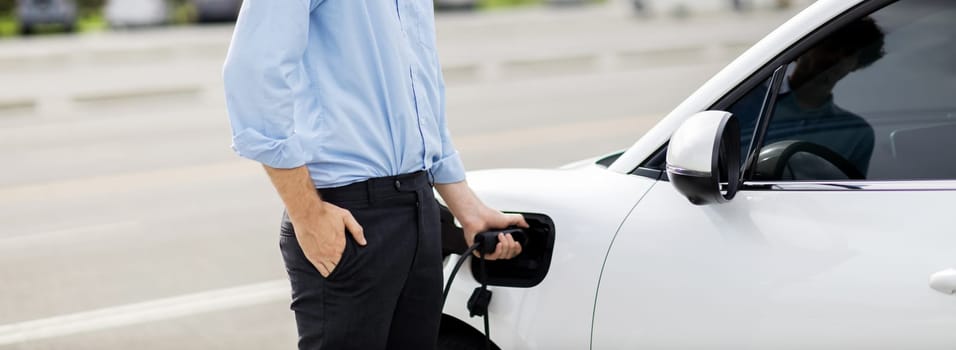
[(386, 295)]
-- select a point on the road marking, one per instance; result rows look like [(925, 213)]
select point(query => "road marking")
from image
[(104, 185), (26, 239), (134, 95), (150, 311), (20, 104)]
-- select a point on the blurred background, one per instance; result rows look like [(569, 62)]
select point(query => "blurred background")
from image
[(127, 222)]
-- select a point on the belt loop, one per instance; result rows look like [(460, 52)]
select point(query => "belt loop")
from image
[(431, 179)]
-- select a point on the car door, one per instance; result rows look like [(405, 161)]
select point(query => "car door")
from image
[(844, 228)]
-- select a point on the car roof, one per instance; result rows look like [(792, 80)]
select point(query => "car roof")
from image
[(736, 72)]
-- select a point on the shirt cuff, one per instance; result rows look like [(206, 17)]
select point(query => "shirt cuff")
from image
[(448, 170), (279, 154)]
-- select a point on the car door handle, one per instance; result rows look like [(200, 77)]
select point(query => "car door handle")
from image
[(944, 281)]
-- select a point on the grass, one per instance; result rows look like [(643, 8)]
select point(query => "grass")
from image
[(8, 26), (503, 4), (497, 4), (92, 22), (183, 14)]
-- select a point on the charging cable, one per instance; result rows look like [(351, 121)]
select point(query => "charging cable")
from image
[(485, 243)]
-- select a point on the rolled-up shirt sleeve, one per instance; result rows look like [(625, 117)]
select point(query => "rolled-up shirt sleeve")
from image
[(261, 74), (449, 168)]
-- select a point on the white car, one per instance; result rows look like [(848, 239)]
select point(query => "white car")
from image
[(136, 13), (800, 199)]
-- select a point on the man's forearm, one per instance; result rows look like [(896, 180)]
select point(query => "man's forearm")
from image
[(462, 202), (297, 191)]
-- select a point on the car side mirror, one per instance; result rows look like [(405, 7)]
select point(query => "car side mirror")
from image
[(703, 157)]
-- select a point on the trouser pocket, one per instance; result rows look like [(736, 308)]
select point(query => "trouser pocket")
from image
[(294, 256)]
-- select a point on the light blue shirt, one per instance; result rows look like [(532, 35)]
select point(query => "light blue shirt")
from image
[(351, 88)]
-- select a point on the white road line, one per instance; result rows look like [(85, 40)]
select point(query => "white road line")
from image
[(104, 185), (40, 237), (150, 311)]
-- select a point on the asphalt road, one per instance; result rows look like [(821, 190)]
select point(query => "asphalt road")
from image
[(127, 222)]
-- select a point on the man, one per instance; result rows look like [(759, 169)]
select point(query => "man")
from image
[(805, 109), (347, 97)]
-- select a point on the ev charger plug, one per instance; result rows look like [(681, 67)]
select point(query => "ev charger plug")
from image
[(485, 243)]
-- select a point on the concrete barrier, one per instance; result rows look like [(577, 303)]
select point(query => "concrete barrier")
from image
[(688, 8), (137, 95), (17, 107)]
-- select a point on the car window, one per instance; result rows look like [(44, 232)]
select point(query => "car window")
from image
[(874, 100), (747, 111)]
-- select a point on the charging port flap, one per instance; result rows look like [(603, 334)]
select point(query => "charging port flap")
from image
[(530, 267), (524, 271)]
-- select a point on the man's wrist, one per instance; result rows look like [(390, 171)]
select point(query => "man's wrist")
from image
[(471, 224), (476, 220), (313, 213)]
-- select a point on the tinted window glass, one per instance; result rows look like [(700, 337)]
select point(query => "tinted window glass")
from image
[(747, 111), (874, 100)]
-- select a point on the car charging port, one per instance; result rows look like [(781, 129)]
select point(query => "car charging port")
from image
[(530, 267), (525, 270)]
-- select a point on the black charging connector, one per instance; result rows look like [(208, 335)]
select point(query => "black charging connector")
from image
[(487, 241)]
